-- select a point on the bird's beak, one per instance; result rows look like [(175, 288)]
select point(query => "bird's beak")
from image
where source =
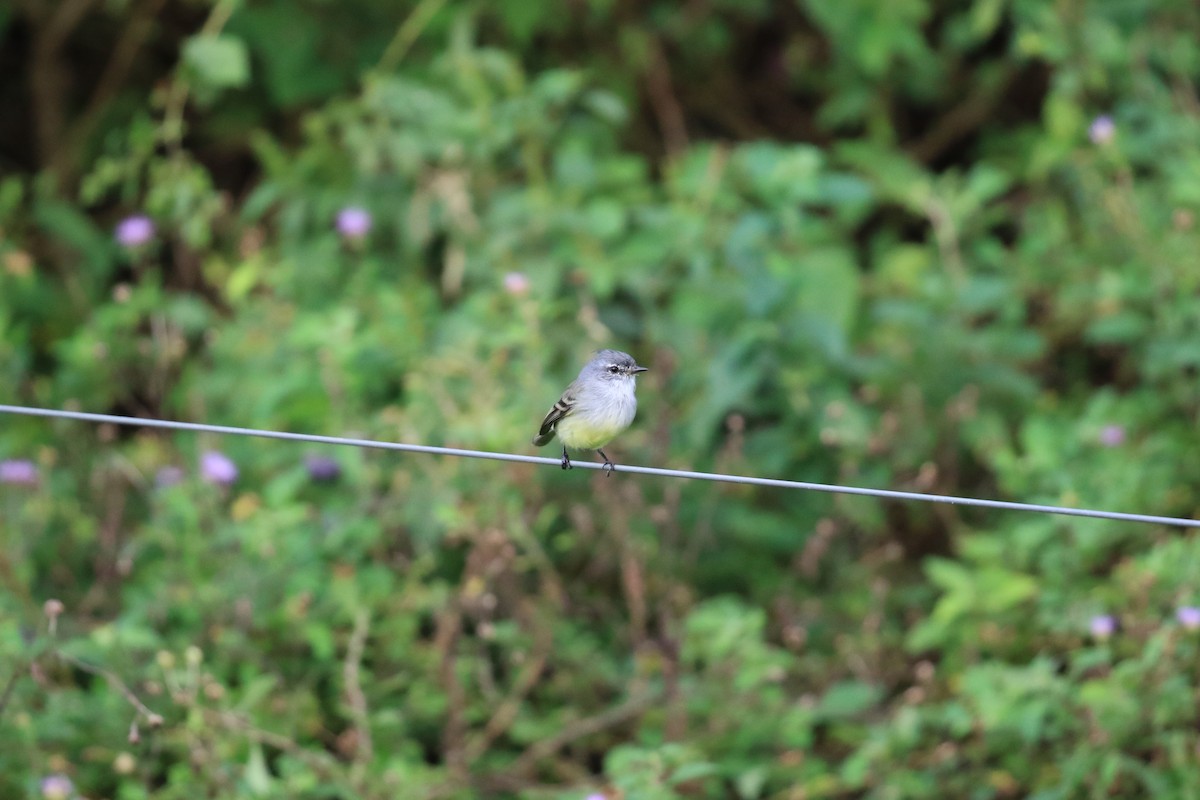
[(636, 370)]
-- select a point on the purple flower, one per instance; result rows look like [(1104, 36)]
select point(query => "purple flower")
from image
[(1112, 435), (1188, 617), (595, 796), (170, 475), (323, 469), (354, 222), (1103, 626), (134, 231), (18, 471), (1102, 130), (218, 468), (57, 787), (516, 283)]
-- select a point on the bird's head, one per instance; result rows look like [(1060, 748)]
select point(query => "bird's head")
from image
[(612, 365)]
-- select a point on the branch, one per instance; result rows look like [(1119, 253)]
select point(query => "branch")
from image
[(961, 120), (133, 36), (153, 719), (319, 760), (364, 750), (664, 103), (449, 628), (502, 718), (47, 77), (580, 728)]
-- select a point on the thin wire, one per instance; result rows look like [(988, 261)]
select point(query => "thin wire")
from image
[(666, 473)]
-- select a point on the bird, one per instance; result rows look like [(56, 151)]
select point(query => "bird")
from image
[(598, 405)]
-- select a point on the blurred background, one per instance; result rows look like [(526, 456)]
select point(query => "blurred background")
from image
[(942, 247)]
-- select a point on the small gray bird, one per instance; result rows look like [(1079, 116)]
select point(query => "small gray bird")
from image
[(598, 405)]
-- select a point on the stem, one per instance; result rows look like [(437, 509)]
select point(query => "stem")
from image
[(407, 34)]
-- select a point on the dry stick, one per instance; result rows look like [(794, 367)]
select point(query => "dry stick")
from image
[(552, 582), (960, 121), (502, 718), (230, 721), (48, 84), (106, 561), (355, 699), (39, 646), (580, 728), (665, 105), (449, 629), (153, 719), (112, 78), (675, 709), (633, 580), (11, 686)]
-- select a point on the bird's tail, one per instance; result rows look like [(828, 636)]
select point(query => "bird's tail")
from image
[(543, 438)]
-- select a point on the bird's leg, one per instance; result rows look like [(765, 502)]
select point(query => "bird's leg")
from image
[(566, 462), (608, 465)]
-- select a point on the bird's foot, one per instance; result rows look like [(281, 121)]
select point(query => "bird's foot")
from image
[(566, 462), (608, 465)]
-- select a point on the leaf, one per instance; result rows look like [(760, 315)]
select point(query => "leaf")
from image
[(692, 771), (828, 285), (848, 698), (257, 775), (217, 62)]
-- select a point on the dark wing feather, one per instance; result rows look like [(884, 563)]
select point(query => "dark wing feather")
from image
[(560, 410)]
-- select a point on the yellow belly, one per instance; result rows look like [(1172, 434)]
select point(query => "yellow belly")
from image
[(588, 435)]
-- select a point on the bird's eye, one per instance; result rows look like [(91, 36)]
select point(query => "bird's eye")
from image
[(614, 369)]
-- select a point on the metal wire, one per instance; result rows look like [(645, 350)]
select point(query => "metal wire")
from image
[(890, 494)]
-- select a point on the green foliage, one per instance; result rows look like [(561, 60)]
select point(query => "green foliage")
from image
[(898, 245)]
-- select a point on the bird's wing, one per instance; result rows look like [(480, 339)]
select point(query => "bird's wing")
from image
[(560, 410)]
